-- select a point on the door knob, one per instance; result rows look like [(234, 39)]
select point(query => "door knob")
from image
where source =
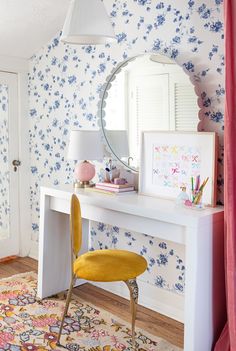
[(16, 163)]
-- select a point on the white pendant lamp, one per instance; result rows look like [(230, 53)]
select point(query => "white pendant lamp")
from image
[(87, 23)]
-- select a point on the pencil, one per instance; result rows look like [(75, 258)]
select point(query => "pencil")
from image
[(197, 183), (203, 184), (200, 191)]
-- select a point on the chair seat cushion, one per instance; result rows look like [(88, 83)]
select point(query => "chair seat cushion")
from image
[(109, 265)]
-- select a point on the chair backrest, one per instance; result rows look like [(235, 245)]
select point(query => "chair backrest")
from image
[(75, 225)]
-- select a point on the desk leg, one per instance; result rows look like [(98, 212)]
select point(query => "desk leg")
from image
[(201, 319), (54, 250)]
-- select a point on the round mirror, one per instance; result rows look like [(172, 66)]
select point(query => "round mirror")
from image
[(148, 92)]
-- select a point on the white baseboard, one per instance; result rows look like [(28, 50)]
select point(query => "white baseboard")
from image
[(156, 299)]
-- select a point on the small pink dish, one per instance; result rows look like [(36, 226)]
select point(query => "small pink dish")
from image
[(120, 181), (188, 203)]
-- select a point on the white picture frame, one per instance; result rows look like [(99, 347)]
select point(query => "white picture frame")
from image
[(169, 160)]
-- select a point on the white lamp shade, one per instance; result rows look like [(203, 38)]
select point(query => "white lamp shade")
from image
[(118, 140), (87, 23), (85, 145)]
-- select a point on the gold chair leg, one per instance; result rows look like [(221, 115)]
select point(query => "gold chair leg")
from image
[(66, 309), (133, 288)]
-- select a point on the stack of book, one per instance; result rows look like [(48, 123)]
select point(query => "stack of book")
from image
[(110, 188)]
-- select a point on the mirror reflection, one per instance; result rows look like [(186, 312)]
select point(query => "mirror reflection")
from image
[(151, 92)]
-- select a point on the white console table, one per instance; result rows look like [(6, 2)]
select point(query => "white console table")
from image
[(201, 231)]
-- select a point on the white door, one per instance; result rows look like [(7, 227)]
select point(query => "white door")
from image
[(9, 188)]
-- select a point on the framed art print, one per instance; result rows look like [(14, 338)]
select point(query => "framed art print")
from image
[(170, 160)]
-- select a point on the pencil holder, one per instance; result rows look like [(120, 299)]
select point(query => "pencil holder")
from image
[(198, 198)]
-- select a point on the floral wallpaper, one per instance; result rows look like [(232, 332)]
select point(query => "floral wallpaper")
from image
[(64, 88), (4, 168), (166, 268)]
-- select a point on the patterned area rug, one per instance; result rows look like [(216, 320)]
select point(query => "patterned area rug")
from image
[(30, 325)]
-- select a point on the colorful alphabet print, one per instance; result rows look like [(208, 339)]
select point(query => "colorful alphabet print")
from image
[(174, 165)]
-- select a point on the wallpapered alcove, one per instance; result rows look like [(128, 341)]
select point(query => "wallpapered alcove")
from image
[(64, 86)]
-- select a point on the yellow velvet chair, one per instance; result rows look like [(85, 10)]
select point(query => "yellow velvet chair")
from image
[(102, 265)]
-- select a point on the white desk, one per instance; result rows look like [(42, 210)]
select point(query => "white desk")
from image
[(200, 231)]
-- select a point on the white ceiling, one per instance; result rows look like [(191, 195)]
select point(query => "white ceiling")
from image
[(27, 25)]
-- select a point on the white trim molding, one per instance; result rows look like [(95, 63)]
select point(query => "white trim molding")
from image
[(14, 64), (24, 169)]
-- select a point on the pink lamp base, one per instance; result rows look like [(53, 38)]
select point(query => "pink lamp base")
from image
[(84, 172)]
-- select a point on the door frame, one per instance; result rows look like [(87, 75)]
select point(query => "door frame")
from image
[(24, 170), (21, 68), (11, 244)]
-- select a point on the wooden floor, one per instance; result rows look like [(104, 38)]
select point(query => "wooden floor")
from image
[(148, 320)]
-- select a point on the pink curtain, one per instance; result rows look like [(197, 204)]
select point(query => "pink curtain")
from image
[(227, 341)]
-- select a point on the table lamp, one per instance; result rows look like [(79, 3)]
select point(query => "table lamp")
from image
[(85, 145)]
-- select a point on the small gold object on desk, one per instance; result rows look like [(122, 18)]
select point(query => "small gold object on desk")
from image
[(83, 184)]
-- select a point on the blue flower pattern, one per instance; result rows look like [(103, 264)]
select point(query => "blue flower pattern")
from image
[(166, 267), (65, 83)]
